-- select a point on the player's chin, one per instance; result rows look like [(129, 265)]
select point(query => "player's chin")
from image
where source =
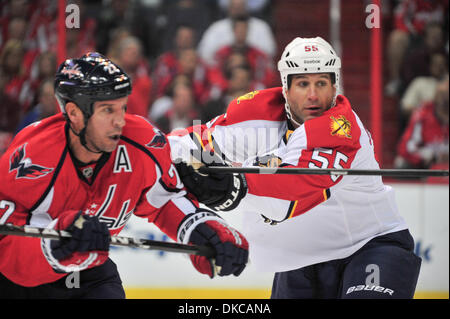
[(312, 114), (111, 143)]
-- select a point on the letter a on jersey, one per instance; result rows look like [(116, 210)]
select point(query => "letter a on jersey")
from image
[(122, 160)]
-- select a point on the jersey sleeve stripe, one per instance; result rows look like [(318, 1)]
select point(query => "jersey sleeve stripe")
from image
[(292, 208)]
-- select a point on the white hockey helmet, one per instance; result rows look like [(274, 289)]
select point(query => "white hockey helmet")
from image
[(308, 55)]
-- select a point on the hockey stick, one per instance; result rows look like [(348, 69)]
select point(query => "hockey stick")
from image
[(28, 231), (332, 171)]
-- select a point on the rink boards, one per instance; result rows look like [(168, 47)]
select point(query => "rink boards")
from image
[(156, 274)]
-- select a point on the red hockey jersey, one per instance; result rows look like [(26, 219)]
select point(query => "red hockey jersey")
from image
[(40, 182)]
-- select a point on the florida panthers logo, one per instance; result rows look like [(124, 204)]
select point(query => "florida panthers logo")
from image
[(24, 167), (158, 141), (340, 126), (247, 96)]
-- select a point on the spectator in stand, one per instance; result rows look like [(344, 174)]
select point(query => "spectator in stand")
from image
[(257, 8), (117, 35), (239, 83), (220, 33), (40, 17), (10, 113), (43, 67), (187, 63), (14, 72), (220, 76), (163, 103), (422, 89), (16, 32), (417, 61), (410, 19), (45, 107), (132, 15), (425, 141), (14, 17), (198, 14), (262, 67), (182, 112), (17, 29), (130, 58), (191, 65), (166, 66)]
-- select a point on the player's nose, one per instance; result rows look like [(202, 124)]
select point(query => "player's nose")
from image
[(119, 120), (312, 93)]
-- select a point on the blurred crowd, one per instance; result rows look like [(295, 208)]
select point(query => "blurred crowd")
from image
[(189, 58), (417, 52)]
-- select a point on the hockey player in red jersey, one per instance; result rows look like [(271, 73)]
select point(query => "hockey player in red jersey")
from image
[(86, 170), (324, 236)]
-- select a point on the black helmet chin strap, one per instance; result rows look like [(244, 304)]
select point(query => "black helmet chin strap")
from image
[(82, 135)]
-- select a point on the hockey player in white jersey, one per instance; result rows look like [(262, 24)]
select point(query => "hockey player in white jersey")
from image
[(324, 236)]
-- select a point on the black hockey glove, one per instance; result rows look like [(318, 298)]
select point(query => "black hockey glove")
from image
[(218, 191), (206, 228)]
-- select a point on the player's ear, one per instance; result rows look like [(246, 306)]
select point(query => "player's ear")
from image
[(74, 113)]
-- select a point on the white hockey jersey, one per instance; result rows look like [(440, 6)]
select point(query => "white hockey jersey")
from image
[(292, 221)]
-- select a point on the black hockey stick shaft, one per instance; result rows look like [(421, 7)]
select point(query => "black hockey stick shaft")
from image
[(28, 231), (331, 171)]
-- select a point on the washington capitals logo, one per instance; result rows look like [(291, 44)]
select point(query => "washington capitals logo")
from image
[(158, 141), (72, 70), (24, 167)]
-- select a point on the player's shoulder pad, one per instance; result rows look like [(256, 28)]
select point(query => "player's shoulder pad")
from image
[(267, 104), (142, 131), (32, 159), (154, 146), (142, 134), (337, 126)]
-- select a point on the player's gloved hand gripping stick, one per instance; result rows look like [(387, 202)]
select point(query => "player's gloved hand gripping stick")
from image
[(217, 190), (87, 246), (214, 247), (206, 228), (28, 231)]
